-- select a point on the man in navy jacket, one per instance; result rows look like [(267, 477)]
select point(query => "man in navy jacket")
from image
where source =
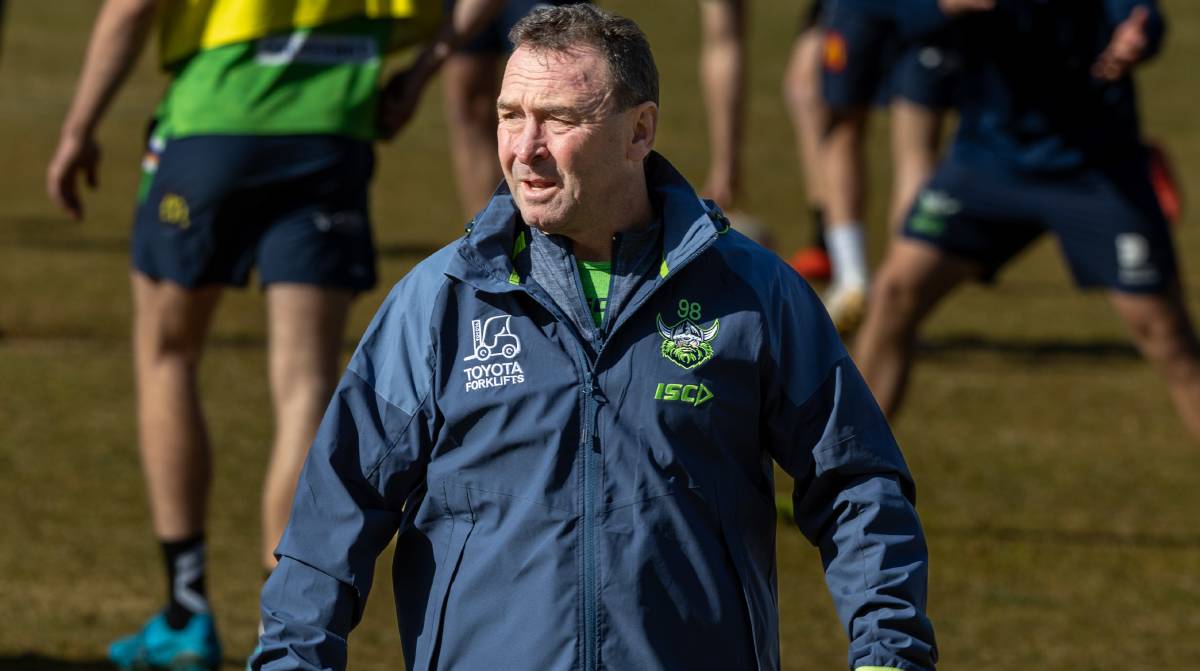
[(583, 487)]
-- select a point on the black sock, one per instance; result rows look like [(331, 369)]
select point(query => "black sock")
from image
[(818, 221), (185, 580)]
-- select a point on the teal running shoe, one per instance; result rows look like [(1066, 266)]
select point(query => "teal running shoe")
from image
[(158, 646)]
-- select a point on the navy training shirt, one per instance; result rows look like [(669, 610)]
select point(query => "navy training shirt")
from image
[(1029, 103)]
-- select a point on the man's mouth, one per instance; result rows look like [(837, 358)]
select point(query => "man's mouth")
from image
[(537, 190), (538, 184)]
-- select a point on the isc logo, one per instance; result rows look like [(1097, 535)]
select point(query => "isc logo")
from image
[(691, 394)]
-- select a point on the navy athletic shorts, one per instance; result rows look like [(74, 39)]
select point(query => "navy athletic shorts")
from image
[(1109, 225), (493, 39), (212, 207), (865, 61)]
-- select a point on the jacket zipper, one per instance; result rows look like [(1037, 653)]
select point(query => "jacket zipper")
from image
[(588, 449), (588, 459), (589, 456)]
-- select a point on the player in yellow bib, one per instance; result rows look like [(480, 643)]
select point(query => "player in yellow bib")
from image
[(260, 158)]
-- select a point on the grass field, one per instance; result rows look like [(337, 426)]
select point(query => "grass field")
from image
[(1056, 485)]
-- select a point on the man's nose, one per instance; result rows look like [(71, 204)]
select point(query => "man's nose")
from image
[(531, 143)]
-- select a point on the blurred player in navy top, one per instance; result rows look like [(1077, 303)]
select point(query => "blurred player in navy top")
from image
[(1048, 142)]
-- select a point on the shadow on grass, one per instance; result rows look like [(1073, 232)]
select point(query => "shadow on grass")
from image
[(36, 662), (1072, 537), (1029, 350)]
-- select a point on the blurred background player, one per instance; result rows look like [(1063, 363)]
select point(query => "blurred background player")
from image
[(877, 50), (810, 118), (723, 84), (723, 62), (1048, 141), (471, 82), (260, 156)]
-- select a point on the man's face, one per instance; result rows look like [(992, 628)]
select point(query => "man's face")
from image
[(562, 142)]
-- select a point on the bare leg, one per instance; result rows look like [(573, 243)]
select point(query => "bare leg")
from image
[(169, 328), (916, 134), (470, 88), (810, 117), (1163, 332), (723, 81), (845, 236), (911, 281), (842, 155), (305, 329)]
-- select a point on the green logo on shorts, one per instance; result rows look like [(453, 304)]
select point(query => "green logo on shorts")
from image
[(929, 216), (173, 210)]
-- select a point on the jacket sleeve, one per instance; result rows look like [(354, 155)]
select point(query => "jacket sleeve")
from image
[(854, 497), (1156, 28), (369, 456)]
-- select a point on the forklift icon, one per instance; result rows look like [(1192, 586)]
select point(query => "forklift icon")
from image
[(493, 338)]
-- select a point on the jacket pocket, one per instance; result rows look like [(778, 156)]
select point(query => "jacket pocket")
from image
[(456, 505)]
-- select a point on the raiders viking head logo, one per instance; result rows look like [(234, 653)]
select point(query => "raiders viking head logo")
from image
[(686, 343)]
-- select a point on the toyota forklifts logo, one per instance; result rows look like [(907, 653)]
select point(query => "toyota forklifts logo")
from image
[(494, 347)]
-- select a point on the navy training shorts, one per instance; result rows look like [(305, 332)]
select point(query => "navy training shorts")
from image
[(865, 61), (212, 207), (1109, 225), (493, 39)]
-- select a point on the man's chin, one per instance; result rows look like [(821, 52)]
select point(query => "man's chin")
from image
[(541, 219)]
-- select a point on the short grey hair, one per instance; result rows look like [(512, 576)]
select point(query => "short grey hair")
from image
[(619, 40)]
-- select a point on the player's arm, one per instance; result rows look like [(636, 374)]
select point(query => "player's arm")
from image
[(1138, 30), (403, 90), (118, 37), (723, 79), (368, 458), (854, 496)]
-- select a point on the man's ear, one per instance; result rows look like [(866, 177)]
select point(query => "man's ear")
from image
[(644, 118)]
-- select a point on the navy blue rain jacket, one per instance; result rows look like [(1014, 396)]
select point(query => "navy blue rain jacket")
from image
[(560, 506)]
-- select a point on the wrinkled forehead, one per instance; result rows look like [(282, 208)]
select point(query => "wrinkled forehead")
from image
[(533, 75)]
